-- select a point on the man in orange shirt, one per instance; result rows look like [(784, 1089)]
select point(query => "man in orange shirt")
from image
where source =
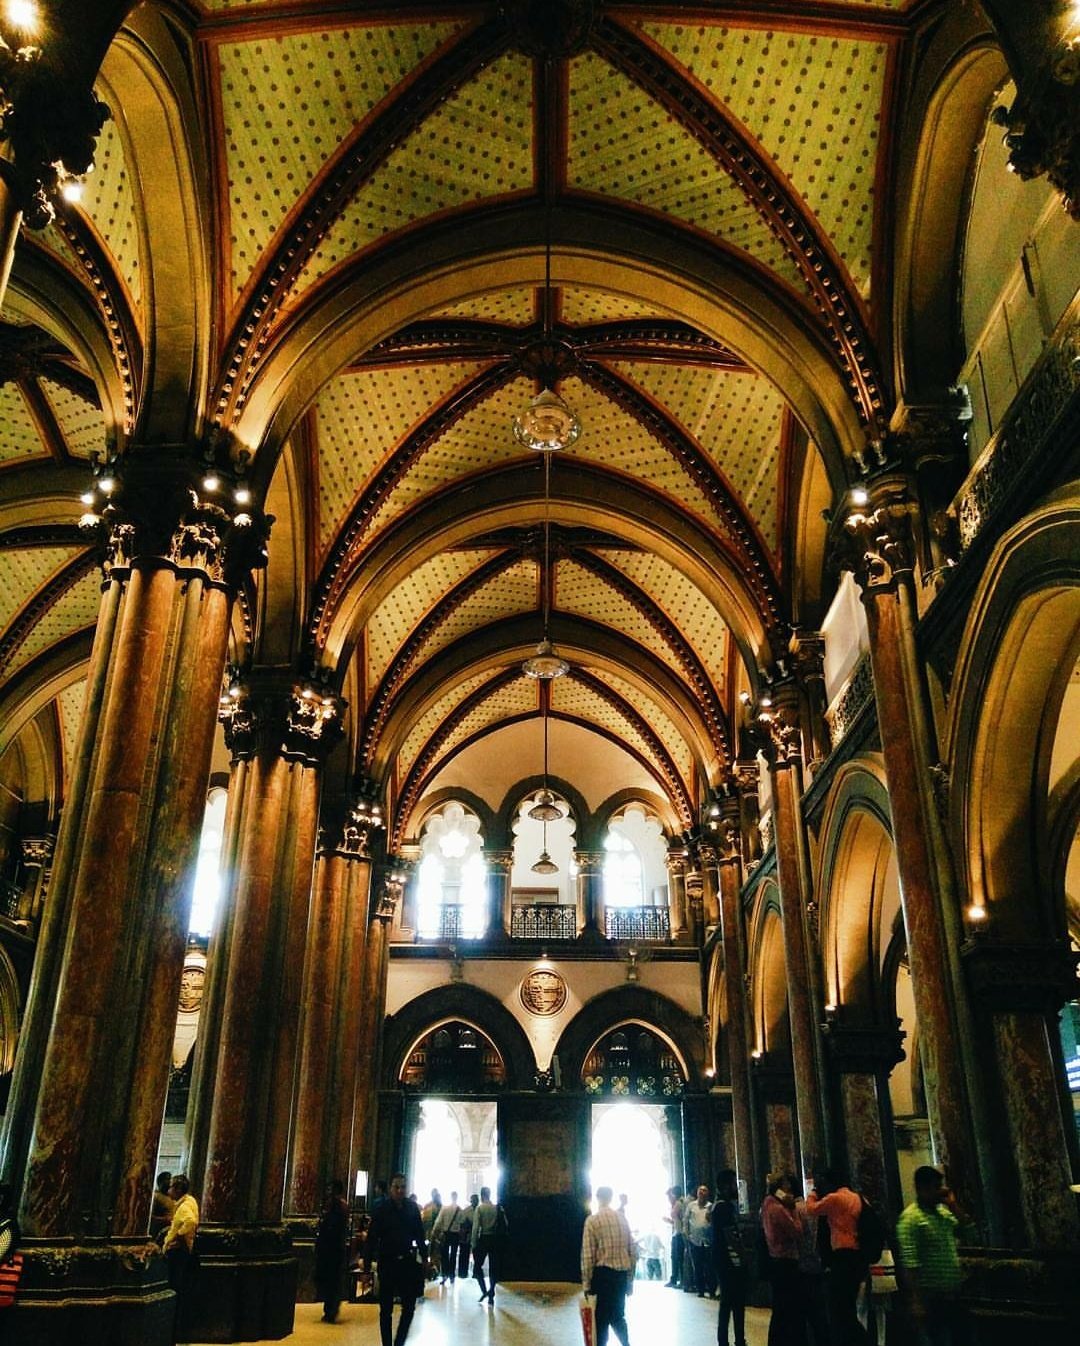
[(847, 1266)]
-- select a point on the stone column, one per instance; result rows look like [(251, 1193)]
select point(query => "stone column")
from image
[(710, 893), (878, 547), (385, 897), (733, 934), (93, 1066), (746, 785), (37, 854), (783, 744), (808, 651), (862, 1058), (694, 887), (591, 893), (284, 729), (500, 864), (676, 868)]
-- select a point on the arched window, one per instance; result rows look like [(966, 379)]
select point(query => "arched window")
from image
[(635, 873), (452, 879), (207, 886), (633, 1061), (624, 876)]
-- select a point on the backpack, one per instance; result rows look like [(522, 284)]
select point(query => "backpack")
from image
[(871, 1233)]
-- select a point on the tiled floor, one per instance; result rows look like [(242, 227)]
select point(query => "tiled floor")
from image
[(525, 1315)]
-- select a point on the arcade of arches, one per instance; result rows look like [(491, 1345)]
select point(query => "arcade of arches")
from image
[(297, 865)]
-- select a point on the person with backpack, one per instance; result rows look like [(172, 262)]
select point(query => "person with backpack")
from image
[(849, 1254), (729, 1259)]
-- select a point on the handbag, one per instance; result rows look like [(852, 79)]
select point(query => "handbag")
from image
[(588, 1320)]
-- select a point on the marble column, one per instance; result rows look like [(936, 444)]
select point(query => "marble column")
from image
[(746, 785), (782, 739), (694, 887), (37, 854), (710, 892), (878, 546), (591, 893), (733, 934), (386, 895), (676, 868), (808, 652), (93, 1066), (500, 863), (862, 1058), (284, 729)]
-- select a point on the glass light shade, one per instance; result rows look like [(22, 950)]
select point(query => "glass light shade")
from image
[(547, 424), (545, 810), (545, 865), (545, 664)]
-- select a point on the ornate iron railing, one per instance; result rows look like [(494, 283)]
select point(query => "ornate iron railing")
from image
[(9, 899), (543, 922), (637, 923)]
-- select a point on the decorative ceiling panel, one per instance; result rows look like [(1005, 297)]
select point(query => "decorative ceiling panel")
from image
[(436, 714), (737, 420), (481, 438), (579, 591), (477, 145), (402, 610), (109, 201), (570, 697), (624, 144), (288, 102), (75, 610), (81, 423), (587, 307), (662, 725), (23, 571), (52, 240), (515, 698), (697, 620), (69, 704), (515, 308), (614, 438), (813, 102), (513, 591), (363, 417), (19, 438)]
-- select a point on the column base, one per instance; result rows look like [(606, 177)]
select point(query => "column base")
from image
[(246, 1285), (1017, 1296), (93, 1294), (302, 1228)]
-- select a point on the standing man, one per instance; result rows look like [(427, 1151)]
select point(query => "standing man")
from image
[(178, 1245), (781, 1229), (445, 1235), (331, 1250), (675, 1219), (608, 1258), (728, 1258), (926, 1234), (468, 1215), (699, 1237), (848, 1267), (396, 1241), (485, 1230)]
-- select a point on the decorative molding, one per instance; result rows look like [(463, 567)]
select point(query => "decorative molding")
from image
[(871, 1050), (875, 542), (1040, 129), (1036, 977)]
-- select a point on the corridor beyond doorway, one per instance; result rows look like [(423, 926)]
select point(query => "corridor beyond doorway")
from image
[(455, 1149), (633, 1153)]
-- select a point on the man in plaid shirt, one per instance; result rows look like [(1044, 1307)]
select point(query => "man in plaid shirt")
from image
[(608, 1259)]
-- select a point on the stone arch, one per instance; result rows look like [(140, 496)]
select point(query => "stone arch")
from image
[(655, 803), (471, 1005), (768, 980), (631, 1004), (433, 802), (584, 821)]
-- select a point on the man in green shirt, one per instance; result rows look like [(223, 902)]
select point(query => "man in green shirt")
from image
[(926, 1236)]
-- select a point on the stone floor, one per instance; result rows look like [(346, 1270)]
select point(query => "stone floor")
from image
[(525, 1315)]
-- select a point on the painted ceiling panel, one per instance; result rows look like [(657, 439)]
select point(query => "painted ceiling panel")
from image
[(437, 713), (579, 591), (481, 438), (23, 571), (736, 418), (109, 201), (403, 609), (624, 144), (613, 437), (81, 423), (659, 721), (75, 610), (53, 241), (699, 623), (477, 145), (288, 102), (70, 705), (813, 102), (361, 419), (585, 307), (19, 438), (515, 308), (570, 697), (513, 591), (516, 698)]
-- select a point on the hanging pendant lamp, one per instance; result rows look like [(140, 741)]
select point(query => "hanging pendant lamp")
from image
[(546, 663)]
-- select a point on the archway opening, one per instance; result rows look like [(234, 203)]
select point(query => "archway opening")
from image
[(455, 1149), (633, 1153)]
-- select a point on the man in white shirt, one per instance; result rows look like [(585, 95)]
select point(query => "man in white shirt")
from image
[(699, 1237), (445, 1235), (485, 1230), (608, 1258)]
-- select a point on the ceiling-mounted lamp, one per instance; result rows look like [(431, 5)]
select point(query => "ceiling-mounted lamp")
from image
[(545, 865), (546, 664)]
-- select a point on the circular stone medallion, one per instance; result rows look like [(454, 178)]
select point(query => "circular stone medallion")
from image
[(543, 992)]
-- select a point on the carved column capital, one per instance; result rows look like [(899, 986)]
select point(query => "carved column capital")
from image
[(777, 726), (807, 649), (864, 1049), (499, 861), (676, 859), (590, 863), (300, 719), (388, 894), (1036, 977), (1040, 127), (876, 540), (37, 852)]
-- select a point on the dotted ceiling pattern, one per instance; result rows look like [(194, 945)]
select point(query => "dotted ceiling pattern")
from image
[(362, 418), (69, 705), (437, 713), (481, 438), (814, 102), (624, 144), (735, 417), (109, 202), (81, 423), (579, 591), (75, 610), (698, 621), (570, 697), (516, 698), (19, 438), (23, 571), (403, 609), (476, 146), (662, 725), (585, 307), (52, 240), (287, 104), (513, 591), (513, 308)]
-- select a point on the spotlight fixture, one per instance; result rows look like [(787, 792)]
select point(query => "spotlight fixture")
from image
[(23, 15), (211, 481), (860, 496)]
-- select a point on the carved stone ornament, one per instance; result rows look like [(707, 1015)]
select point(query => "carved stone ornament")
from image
[(1037, 977), (864, 1051), (1040, 132), (302, 721), (192, 984), (876, 542), (543, 992), (37, 851)]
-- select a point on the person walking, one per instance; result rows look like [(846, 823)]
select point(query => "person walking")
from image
[(699, 1238), (780, 1227), (331, 1250), (468, 1215), (396, 1241), (847, 1267), (728, 1258), (445, 1237), (485, 1231), (608, 1258), (926, 1236), (178, 1246), (675, 1219)]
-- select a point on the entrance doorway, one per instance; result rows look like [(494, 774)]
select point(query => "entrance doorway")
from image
[(455, 1148), (633, 1153)]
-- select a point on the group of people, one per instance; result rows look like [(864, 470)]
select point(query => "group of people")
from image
[(174, 1223)]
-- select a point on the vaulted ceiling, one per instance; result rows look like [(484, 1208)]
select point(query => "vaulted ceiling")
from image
[(372, 187)]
